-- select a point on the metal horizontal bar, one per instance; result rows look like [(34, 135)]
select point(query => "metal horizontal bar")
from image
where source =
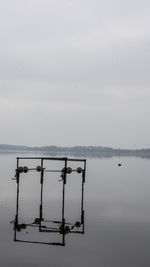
[(38, 242), (52, 158), (63, 159), (49, 231), (57, 170), (76, 232), (83, 160)]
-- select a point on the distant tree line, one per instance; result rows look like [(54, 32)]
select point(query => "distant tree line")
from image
[(88, 151)]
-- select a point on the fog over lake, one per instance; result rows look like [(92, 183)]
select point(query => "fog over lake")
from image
[(74, 82)]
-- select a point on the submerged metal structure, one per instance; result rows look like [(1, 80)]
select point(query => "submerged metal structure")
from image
[(61, 227)]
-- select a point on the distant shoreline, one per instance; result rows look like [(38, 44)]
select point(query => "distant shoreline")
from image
[(83, 151)]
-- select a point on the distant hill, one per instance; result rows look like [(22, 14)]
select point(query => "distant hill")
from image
[(87, 151)]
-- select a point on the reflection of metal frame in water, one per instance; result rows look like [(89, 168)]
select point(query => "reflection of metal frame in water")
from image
[(63, 226)]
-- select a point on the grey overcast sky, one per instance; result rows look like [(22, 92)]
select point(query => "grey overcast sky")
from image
[(75, 72)]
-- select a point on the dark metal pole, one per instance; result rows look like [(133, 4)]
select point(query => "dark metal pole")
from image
[(41, 204), (17, 201), (82, 200), (63, 201)]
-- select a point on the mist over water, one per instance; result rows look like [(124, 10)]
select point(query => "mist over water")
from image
[(117, 216)]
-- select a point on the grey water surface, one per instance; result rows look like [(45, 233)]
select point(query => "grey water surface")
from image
[(117, 216)]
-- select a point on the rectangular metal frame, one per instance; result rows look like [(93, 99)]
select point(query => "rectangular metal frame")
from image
[(64, 179)]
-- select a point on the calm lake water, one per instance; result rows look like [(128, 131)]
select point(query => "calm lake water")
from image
[(117, 215)]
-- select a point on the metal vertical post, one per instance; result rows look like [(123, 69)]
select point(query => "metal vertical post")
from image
[(63, 200), (82, 204), (17, 200), (41, 204)]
